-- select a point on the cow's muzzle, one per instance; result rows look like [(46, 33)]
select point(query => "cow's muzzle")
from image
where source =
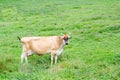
[(66, 43)]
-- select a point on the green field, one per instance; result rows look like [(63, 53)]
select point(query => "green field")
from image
[(93, 52)]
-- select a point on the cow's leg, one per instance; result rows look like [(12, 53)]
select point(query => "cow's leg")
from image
[(52, 58), (57, 54), (56, 59), (26, 60), (24, 56)]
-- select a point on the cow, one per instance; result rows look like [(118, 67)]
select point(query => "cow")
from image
[(42, 45)]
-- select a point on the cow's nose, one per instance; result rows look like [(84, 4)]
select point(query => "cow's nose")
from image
[(66, 43)]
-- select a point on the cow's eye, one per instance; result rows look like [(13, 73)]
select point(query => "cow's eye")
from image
[(65, 38)]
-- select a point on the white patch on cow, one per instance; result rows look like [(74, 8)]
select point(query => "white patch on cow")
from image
[(59, 51)]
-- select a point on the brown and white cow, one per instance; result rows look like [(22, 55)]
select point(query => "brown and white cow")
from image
[(43, 45)]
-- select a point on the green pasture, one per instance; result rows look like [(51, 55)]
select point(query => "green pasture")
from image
[(93, 52)]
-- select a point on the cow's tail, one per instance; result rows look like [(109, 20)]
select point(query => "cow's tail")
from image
[(19, 38)]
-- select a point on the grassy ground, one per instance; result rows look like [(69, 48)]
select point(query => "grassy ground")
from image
[(94, 50)]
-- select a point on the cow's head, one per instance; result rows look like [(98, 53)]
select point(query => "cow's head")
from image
[(66, 38)]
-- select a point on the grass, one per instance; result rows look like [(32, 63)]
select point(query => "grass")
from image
[(93, 52)]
